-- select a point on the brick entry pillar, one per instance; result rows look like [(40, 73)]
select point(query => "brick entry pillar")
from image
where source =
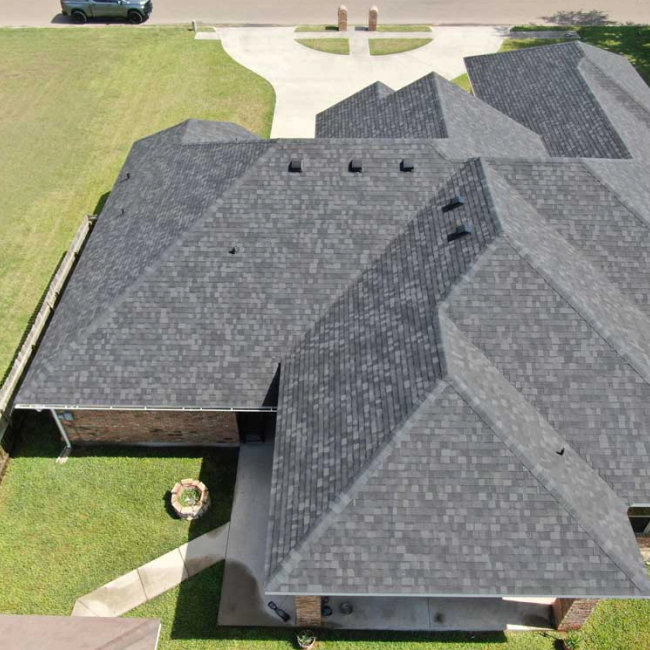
[(308, 611), (373, 18), (572, 613), (343, 19)]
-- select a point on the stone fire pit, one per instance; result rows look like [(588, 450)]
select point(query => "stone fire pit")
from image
[(190, 499)]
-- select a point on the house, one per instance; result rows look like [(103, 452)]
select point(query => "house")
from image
[(444, 299)]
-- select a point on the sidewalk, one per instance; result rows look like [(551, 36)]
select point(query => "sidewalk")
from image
[(152, 579), (307, 82)]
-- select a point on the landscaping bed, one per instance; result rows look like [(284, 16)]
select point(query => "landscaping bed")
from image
[(74, 101)]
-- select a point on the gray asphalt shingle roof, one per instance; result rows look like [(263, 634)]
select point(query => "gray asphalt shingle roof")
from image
[(583, 101), (432, 108), (465, 417)]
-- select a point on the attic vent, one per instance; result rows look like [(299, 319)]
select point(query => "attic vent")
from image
[(406, 165), (456, 202), (560, 452), (232, 250), (461, 231), (295, 166), (355, 166)]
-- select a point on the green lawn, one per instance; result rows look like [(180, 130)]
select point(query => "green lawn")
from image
[(67, 529), (381, 46), (328, 45), (317, 28), (73, 101), (464, 82)]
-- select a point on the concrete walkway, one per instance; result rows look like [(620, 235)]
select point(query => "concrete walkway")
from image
[(307, 81), (242, 598), (156, 577)]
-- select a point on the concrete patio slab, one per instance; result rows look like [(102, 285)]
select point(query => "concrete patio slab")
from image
[(204, 551), (116, 597), (440, 614), (242, 599), (163, 573), (307, 82)]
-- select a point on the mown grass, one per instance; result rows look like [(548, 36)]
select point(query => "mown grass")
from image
[(382, 46), (327, 45), (73, 101), (67, 529), (464, 82), (403, 28), (317, 28)]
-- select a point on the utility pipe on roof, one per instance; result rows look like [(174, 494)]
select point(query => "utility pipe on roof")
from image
[(64, 435)]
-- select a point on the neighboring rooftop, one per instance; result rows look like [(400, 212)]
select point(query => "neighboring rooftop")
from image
[(79, 633)]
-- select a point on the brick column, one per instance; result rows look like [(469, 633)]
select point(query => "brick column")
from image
[(373, 18), (308, 611), (572, 613), (343, 19)]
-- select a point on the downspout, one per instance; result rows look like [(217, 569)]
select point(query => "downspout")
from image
[(64, 435)]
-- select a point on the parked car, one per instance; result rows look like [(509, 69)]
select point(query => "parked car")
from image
[(135, 11)]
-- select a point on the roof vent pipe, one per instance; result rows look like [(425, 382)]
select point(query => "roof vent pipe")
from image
[(461, 231), (355, 166), (456, 202)]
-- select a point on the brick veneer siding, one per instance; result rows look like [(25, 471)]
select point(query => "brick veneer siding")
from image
[(308, 611), (183, 427), (572, 613)]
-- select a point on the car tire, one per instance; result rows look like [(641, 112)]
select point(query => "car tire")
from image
[(79, 17), (135, 17)]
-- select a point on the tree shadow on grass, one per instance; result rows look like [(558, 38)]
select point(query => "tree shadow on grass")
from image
[(593, 17)]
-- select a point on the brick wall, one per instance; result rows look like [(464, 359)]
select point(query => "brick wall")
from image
[(572, 613), (308, 611), (187, 427)]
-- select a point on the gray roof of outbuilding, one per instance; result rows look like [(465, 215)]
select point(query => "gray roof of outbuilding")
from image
[(583, 101)]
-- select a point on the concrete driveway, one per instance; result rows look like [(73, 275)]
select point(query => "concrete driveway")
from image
[(307, 81), (280, 12)]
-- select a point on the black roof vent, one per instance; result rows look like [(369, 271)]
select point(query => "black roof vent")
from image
[(406, 165), (295, 166), (232, 250), (461, 231), (355, 166), (561, 452), (456, 202)]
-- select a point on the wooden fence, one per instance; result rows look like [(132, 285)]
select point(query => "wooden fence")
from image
[(8, 389)]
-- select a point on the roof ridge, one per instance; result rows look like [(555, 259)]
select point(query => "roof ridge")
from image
[(616, 83), (530, 452), (592, 94), (629, 336), (338, 505), (110, 310), (601, 181)]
